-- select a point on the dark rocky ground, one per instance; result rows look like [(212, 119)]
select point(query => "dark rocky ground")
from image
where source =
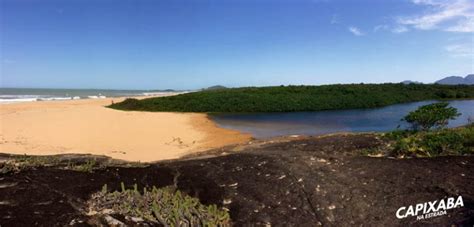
[(288, 181)]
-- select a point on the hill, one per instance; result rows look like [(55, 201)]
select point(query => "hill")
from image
[(410, 82), (454, 80), (297, 98), (216, 87)]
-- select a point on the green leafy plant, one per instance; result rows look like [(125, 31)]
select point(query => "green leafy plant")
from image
[(432, 115), (88, 166), (166, 206), (457, 141), (20, 163)]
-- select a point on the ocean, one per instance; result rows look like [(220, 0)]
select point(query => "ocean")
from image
[(13, 95)]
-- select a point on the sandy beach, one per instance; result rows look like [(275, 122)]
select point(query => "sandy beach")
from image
[(87, 127)]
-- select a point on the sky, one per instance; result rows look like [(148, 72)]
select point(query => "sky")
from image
[(190, 44)]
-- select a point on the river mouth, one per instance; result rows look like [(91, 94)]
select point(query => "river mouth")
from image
[(267, 125)]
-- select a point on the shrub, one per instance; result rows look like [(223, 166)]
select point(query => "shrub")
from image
[(398, 134), (445, 142), (24, 162), (87, 166), (468, 138), (165, 206), (130, 103), (8, 167), (432, 115), (458, 141)]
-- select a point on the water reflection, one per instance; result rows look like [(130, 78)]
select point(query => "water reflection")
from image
[(264, 125)]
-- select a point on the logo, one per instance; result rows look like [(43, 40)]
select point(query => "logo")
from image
[(430, 209)]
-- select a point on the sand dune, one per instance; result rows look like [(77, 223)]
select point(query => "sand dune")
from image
[(86, 126)]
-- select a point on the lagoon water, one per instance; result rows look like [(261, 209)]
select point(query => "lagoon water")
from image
[(265, 125)]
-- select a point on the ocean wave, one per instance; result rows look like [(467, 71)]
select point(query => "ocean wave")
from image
[(18, 98), (54, 99), (35, 98), (33, 95), (31, 98), (13, 100), (96, 96)]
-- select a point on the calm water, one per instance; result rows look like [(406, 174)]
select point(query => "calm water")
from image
[(264, 125)]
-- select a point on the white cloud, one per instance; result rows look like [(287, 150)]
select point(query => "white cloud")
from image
[(380, 27), (399, 29), (356, 31), (446, 15), (425, 2), (395, 29), (466, 25), (460, 50)]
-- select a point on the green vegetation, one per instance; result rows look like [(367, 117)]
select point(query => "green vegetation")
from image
[(27, 162), (428, 143), (373, 152), (456, 141), (165, 206), (432, 115), (87, 166), (298, 98), (21, 163), (15, 164)]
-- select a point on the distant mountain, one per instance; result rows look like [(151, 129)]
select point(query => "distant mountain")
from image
[(469, 79), (216, 87), (453, 80), (410, 82), (166, 90)]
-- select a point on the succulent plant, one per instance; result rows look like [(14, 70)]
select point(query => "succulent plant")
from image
[(166, 206)]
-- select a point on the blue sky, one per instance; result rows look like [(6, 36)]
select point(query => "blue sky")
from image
[(198, 43)]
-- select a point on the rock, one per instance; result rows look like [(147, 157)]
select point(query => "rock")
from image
[(7, 185), (113, 222), (75, 221), (137, 219)]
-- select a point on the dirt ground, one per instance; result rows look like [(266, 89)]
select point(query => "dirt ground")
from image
[(288, 181)]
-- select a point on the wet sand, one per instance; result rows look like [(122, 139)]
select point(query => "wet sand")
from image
[(88, 127)]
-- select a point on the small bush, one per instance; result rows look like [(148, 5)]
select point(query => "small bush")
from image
[(468, 135), (166, 206), (8, 168), (444, 142), (87, 166), (458, 141), (398, 134), (129, 104), (432, 115), (20, 163)]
